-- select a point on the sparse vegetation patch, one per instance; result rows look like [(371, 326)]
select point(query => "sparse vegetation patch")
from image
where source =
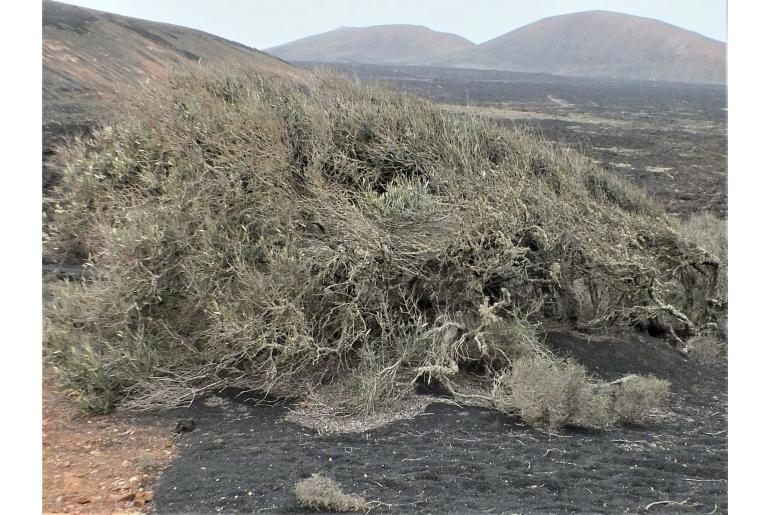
[(555, 394), (636, 398), (323, 494)]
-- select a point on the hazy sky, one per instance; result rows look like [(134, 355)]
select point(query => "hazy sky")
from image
[(265, 23)]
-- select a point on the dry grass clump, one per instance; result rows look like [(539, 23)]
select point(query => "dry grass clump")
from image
[(249, 232), (707, 349), (553, 394), (556, 394), (324, 494), (636, 398), (710, 233)]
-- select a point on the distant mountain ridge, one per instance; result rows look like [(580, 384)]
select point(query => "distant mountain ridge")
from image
[(602, 44), (586, 44), (381, 44)]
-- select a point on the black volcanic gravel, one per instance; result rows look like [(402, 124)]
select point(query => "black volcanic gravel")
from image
[(244, 458)]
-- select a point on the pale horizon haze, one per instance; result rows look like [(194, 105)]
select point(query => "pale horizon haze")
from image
[(265, 24)]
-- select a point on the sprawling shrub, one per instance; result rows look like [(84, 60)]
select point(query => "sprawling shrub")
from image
[(323, 494), (250, 232)]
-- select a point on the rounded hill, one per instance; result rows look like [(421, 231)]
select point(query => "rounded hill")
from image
[(602, 44), (381, 44)]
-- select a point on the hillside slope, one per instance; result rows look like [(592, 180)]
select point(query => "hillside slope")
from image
[(94, 53), (602, 44), (381, 44), (92, 58)]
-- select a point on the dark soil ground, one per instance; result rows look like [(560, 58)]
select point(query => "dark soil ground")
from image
[(453, 459)]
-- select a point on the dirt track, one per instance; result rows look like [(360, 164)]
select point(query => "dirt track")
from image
[(244, 458), (97, 464)]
